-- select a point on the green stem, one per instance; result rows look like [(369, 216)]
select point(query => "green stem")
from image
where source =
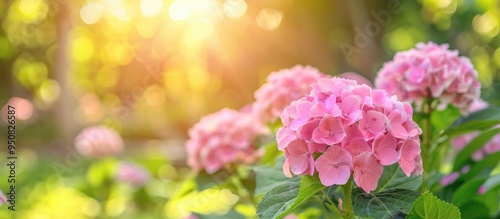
[(331, 204), (426, 147), (347, 199)]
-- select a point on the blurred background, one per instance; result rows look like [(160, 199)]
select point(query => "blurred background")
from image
[(149, 69)]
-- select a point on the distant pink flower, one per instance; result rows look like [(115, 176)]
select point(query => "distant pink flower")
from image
[(3, 199), (450, 178), (222, 138), (98, 141), (283, 87), (481, 190), (350, 128), (291, 216), (132, 174), (431, 71)]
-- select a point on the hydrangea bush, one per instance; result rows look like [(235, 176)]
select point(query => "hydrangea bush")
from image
[(421, 144)]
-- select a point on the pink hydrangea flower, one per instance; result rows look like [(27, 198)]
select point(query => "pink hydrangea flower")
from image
[(3, 199), (98, 141), (481, 190), (431, 71), (354, 129), (222, 138), (281, 89), (132, 174), (450, 178), (492, 146)]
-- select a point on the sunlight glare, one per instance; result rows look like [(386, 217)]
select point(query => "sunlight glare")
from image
[(151, 8), (269, 19), (91, 13), (235, 8), (179, 10)]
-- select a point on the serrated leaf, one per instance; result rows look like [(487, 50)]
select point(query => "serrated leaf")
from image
[(478, 120), (478, 142), (429, 206), (284, 198), (394, 178), (384, 204), (268, 177)]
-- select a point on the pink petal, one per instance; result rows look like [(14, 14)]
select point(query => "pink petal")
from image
[(330, 131), (307, 129), (367, 171), (384, 148), (334, 166), (284, 136), (357, 146), (372, 124), (286, 169)]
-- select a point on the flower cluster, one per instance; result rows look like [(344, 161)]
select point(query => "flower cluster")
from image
[(132, 174), (352, 128), (492, 146), (98, 141), (222, 138), (281, 89), (431, 71)]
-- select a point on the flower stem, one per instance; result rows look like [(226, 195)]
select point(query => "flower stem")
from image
[(348, 213), (427, 135)]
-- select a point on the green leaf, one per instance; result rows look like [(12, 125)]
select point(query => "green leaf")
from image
[(478, 142), (205, 180), (384, 204), (394, 178), (268, 177), (475, 210), (284, 198), (489, 199), (429, 206), (101, 171), (270, 154), (484, 167), (467, 191), (442, 119), (232, 214), (478, 120)]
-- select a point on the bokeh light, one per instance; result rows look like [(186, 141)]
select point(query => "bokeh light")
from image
[(269, 19), (150, 69)]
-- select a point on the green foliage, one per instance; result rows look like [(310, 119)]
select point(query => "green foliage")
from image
[(205, 180), (429, 206), (394, 178), (467, 191), (466, 153), (269, 177), (478, 120), (283, 199), (384, 204)]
